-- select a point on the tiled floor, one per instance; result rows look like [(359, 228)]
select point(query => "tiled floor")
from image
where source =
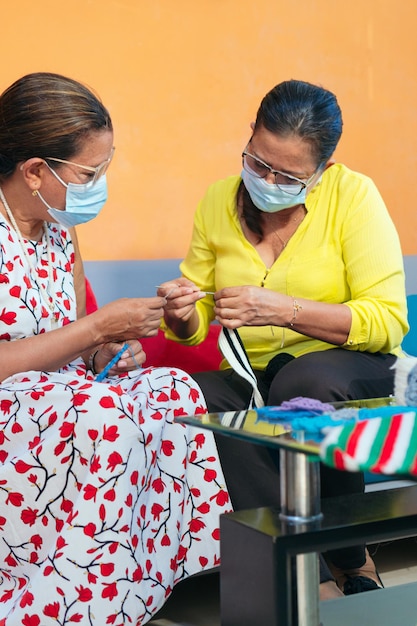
[(195, 602)]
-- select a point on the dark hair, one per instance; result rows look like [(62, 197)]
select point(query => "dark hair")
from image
[(295, 107), (44, 114)]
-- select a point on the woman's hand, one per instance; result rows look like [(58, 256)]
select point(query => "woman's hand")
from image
[(127, 318), (132, 359), (179, 309), (251, 306), (180, 298)]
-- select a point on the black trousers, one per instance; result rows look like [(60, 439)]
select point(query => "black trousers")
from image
[(252, 471)]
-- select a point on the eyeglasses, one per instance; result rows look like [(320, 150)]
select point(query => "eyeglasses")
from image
[(287, 183), (99, 170)]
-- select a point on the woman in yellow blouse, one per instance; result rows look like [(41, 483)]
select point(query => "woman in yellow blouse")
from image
[(305, 261)]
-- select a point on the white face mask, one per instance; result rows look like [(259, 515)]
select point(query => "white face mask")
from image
[(268, 197), (83, 202)]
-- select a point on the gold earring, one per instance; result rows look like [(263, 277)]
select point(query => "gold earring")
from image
[(35, 192)]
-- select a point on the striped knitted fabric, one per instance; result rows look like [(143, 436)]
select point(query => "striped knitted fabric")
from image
[(383, 445)]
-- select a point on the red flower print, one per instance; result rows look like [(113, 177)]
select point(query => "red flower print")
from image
[(21, 467), (156, 511), (93, 434), (76, 618), (203, 508), (196, 525), (162, 397), (8, 318), (90, 492), (203, 561), (114, 459), (15, 498), (150, 546), (6, 595), (110, 434), (222, 497), (216, 534), (92, 578), (28, 516), (110, 495), (15, 291), (5, 406), (110, 591), (194, 394), (66, 505), (200, 439), (158, 485), (16, 428), (137, 574), (95, 464), (106, 569), (107, 402), (67, 429), (157, 415), (134, 477), (37, 541), (84, 594), (31, 620), (59, 448), (26, 599), (10, 560), (4, 278), (165, 541), (52, 418), (2, 520), (80, 398), (210, 475), (90, 529), (167, 447), (51, 610)]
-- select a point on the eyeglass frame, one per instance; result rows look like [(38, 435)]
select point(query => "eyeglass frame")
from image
[(99, 170), (303, 183)]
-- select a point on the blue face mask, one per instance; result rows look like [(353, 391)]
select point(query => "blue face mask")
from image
[(82, 203), (270, 198)]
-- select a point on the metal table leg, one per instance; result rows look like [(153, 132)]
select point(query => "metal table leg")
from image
[(300, 507)]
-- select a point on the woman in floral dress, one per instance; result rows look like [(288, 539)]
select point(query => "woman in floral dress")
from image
[(105, 503)]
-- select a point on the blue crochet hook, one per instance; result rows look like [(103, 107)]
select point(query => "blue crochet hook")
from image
[(110, 364)]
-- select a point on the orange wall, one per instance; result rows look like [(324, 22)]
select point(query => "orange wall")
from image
[(183, 80)]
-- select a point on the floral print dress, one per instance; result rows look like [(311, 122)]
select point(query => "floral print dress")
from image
[(105, 502)]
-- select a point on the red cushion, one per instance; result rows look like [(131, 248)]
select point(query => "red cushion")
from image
[(161, 352), (90, 299)]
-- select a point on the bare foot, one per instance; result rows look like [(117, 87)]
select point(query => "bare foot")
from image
[(329, 591)]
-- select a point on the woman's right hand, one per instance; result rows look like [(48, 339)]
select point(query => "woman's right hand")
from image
[(128, 318), (180, 297)]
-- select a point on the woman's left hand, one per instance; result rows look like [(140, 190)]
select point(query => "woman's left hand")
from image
[(250, 306), (132, 359)]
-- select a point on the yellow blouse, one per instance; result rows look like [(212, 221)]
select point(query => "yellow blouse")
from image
[(346, 250)]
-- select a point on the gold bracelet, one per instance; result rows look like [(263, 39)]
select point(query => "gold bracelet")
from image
[(91, 363), (295, 307)]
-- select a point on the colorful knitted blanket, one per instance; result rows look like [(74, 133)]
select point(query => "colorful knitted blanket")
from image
[(385, 444)]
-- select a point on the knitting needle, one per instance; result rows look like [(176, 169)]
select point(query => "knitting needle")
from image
[(208, 293), (110, 364)]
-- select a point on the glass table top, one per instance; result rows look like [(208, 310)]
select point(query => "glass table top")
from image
[(248, 425)]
